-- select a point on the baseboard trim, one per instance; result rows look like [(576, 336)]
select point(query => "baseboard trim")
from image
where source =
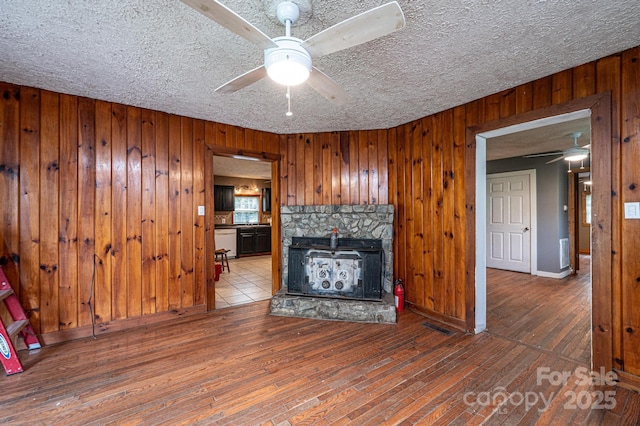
[(118, 325), (628, 381), (556, 275), (441, 318)]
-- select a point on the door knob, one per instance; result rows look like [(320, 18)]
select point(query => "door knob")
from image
[(525, 229)]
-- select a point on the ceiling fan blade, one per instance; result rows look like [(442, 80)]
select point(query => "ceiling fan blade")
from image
[(544, 154), (244, 80), (328, 88), (356, 30), (226, 17), (555, 159)]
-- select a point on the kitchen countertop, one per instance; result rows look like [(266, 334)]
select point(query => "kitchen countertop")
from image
[(240, 225)]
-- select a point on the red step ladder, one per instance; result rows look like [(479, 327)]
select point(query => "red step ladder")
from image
[(20, 324)]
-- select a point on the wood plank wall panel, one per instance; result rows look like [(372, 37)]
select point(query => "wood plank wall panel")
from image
[(448, 207), (415, 208), (9, 181), (354, 172), (382, 149), (199, 188), (99, 212), (459, 207), (118, 251), (542, 93), (103, 214), (68, 250), (134, 212), (186, 212), (28, 289), (336, 195), (49, 189), (307, 171), (524, 98), (609, 79), (318, 191), (630, 180), (400, 237), (148, 176), (437, 211), (162, 212), (345, 174), (175, 291), (86, 210)]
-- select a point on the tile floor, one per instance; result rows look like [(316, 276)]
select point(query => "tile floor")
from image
[(249, 281)]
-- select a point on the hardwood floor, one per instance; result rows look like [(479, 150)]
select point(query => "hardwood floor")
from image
[(549, 314), (240, 366)]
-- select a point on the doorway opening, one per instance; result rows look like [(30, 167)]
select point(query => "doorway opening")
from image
[(598, 109), (242, 196), (548, 308)]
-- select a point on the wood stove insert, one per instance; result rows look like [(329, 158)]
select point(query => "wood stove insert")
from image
[(351, 270)]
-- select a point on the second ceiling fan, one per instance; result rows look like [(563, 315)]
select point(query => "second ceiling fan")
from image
[(573, 153), (287, 59)]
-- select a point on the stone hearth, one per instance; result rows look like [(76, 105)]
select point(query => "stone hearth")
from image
[(351, 221)]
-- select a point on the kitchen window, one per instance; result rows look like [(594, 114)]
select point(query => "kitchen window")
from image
[(247, 209)]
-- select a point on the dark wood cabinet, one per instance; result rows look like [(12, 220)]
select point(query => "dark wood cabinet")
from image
[(246, 241), (254, 240), (263, 239), (224, 198), (266, 200)]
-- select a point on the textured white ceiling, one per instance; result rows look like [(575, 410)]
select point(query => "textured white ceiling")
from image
[(549, 138), (162, 55), (236, 167)]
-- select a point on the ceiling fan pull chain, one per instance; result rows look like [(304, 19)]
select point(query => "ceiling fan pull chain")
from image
[(288, 113)]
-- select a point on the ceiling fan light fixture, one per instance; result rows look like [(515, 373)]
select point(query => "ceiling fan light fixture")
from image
[(288, 64), (575, 153), (575, 156)]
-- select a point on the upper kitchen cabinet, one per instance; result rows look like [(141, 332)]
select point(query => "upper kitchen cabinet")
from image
[(266, 200), (223, 196)]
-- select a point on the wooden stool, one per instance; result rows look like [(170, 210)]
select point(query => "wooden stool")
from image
[(221, 256)]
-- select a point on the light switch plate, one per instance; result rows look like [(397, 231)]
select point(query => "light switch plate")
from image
[(632, 210), (200, 210)]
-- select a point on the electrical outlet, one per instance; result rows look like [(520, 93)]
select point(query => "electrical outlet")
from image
[(632, 210), (200, 210)]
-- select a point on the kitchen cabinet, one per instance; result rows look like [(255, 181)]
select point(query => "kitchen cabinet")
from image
[(254, 240), (266, 200), (263, 239), (223, 198)]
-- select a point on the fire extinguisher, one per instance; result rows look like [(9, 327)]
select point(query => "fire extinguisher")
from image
[(398, 291)]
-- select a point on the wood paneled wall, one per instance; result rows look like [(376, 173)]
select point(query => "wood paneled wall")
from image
[(424, 177), (335, 168), (84, 180), (98, 209)]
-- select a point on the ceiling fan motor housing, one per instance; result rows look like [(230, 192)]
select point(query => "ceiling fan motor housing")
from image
[(287, 11), (288, 64)]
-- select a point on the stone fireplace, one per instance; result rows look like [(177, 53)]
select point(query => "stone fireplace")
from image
[(351, 282)]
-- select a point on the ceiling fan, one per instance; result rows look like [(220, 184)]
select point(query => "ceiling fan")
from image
[(287, 59), (573, 153)]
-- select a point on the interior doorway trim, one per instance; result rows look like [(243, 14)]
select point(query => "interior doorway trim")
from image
[(276, 247), (599, 108)]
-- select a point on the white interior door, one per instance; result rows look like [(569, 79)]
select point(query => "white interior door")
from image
[(509, 221)]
